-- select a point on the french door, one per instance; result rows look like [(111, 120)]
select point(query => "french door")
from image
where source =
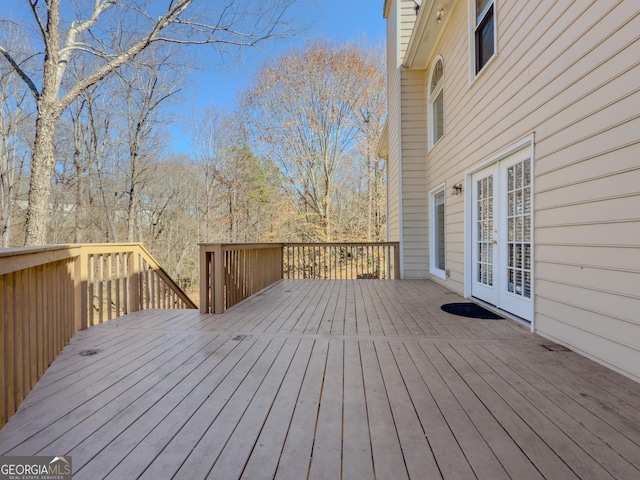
[(502, 235)]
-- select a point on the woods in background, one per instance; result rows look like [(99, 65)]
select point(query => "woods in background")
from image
[(316, 116), (295, 160)]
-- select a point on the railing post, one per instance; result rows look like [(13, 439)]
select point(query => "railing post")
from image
[(205, 280), (282, 261), (396, 262), (218, 279), (134, 281), (81, 302)]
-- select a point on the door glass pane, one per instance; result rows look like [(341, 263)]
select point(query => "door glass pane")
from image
[(518, 237), (484, 209), (438, 236), (519, 225)]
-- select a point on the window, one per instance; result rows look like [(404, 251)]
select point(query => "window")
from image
[(484, 32), (436, 103), (437, 245)]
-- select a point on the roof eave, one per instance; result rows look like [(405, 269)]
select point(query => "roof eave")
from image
[(426, 32)]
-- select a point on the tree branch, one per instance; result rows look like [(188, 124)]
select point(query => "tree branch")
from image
[(170, 17), (21, 73), (77, 28), (33, 4)]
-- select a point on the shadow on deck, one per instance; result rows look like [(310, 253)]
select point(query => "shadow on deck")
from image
[(328, 379)]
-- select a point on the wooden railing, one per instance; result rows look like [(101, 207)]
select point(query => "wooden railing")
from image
[(123, 278), (338, 261), (49, 293), (229, 272)]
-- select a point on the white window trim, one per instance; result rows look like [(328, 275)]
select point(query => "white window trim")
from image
[(430, 98), (436, 272), (472, 40)]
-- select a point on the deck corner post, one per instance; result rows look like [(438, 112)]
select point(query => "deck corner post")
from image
[(281, 260), (205, 283), (134, 281), (396, 261), (81, 282), (218, 279)]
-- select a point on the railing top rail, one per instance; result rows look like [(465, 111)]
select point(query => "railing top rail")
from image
[(339, 244), (240, 246), (16, 259), (250, 245), (12, 252)]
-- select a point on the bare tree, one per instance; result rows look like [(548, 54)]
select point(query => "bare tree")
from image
[(99, 29), (209, 135), (310, 112), (371, 108), (16, 128), (234, 183), (171, 232), (89, 119), (148, 84)]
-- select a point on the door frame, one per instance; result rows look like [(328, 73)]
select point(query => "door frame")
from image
[(524, 144)]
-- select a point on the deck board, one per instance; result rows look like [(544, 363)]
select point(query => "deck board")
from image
[(296, 453), (328, 379), (264, 459), (357, 438)]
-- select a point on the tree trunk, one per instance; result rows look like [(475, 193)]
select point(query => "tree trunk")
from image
[(131, 212), (6, 185), (40, 185), (80, 204), (370, 188)]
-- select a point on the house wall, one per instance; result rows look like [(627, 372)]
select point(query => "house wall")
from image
[(401, 185), (566, 72), (393, 91), (414, 197), (406, 215)]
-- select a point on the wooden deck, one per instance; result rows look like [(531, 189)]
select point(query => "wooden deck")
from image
[(328, 379)]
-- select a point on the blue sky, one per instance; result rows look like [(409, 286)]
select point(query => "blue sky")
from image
[(333, 20), (357, 19)]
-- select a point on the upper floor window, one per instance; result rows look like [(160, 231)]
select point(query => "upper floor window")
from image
[(436, 103), (484, 32)]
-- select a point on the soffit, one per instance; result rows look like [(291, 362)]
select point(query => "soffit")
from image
[(426, 32)]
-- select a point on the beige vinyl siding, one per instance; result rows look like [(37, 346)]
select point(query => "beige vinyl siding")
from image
[(443, 164), (414, 190), (567, 72), (400, 21), (393, 188), (407, 21)]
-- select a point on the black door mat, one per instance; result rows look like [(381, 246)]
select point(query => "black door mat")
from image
[(470, 310)]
